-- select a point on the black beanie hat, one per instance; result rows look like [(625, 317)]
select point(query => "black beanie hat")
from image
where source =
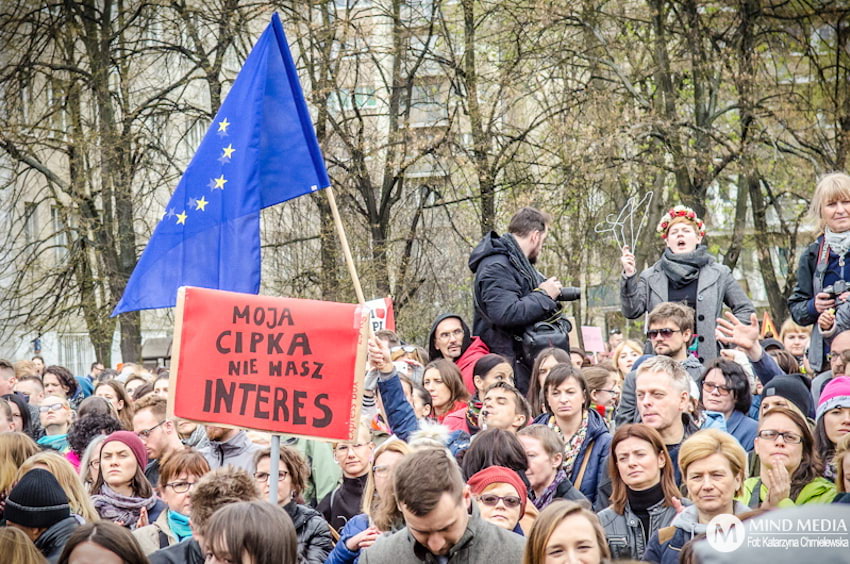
[(792, 388), (37, 501)]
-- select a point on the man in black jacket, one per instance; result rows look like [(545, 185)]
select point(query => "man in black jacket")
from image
[(510, 294)]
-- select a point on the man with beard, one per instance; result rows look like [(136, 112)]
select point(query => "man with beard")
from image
[(510, 294)]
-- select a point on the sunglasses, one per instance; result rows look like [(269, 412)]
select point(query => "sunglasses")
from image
[(490, 500), (51, 407), (663, 333)]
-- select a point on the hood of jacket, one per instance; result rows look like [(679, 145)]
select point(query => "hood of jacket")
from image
[(433, 353), (491, 244), (688, 520), (239, 444)]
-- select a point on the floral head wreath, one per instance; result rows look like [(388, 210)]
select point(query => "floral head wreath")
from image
[(679, 212)]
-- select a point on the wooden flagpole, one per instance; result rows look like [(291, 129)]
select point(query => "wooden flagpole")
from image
[(346, 250)]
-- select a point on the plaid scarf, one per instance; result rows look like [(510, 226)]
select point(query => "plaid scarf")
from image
[(573, 445)]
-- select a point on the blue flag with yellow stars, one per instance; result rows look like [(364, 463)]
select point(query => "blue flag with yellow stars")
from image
[(260, 150)]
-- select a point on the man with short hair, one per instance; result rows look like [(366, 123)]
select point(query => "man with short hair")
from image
[(31, 388), (157, 433), (510, 294), (662, 389), (504, 408), (436, 504), (467, 418), (7, 377), (671, 327), (213, 491), (229, 446), (451, 338)]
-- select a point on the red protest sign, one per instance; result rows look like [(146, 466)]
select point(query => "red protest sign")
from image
[(282, 365)]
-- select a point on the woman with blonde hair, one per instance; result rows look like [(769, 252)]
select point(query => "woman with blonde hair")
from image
[(380, 510), (67, 477), (713, 466), (842, 470), (821, 276), (15, 448), (18, 548), (624, 357), (566, 532)]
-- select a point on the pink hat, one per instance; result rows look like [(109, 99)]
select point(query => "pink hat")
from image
[(479, 481), (835, 394), (133, 442)]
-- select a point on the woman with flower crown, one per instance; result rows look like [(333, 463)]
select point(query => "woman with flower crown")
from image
[(685, 273)]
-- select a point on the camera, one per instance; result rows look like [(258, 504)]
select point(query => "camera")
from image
[(571, 294), (834, 290)]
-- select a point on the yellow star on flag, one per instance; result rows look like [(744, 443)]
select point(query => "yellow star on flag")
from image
[(228, 151), (219, 182), (201, 204), (181, 217), (223, 125)]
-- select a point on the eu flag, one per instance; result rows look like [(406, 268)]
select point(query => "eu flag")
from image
[(260, 150)]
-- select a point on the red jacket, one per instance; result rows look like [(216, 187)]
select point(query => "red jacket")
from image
[(466, 362)]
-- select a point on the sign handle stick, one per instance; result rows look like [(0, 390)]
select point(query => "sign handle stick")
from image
[(346, 251), (274, 469)]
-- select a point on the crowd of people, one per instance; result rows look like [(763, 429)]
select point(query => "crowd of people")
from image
[(482, 445)]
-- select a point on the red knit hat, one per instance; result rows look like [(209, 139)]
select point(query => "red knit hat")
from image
[(133, 442), (479, 481)]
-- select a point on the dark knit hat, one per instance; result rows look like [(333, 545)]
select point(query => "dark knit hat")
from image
[(133, 442), (792, 388), (37, 501), (479, 482)]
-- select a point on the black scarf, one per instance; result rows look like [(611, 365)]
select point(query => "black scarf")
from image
[(683, 268), (521, 261)]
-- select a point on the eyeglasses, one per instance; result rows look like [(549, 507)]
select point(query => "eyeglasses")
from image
[(449, 334), (663, 333), (344, 448), (95, 464), (264, 476), (787, 438), (180, 487), (51, 407), (612, 392), (490, 500), (404, 348), (710, 387), (147, 432)]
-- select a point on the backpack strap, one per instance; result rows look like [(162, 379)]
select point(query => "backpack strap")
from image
[(755, 496), (823, 262), (581, 470), (665, 534)]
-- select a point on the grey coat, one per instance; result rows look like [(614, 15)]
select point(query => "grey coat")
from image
[(716, 286), (625, 532), (481, 543)]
